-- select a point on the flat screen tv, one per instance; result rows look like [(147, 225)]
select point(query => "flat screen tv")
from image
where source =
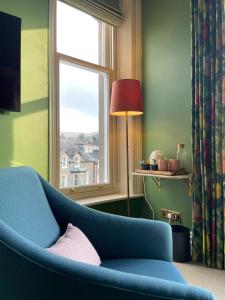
[(10, 45)]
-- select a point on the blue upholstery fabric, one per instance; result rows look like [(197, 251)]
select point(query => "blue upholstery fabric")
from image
[(146, 267), (30, 272), (24, 207)]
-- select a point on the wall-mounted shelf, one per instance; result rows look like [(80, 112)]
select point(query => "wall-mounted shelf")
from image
[(157, 178), (187, 178)]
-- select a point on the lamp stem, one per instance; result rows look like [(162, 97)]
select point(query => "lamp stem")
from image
[(128, 169)]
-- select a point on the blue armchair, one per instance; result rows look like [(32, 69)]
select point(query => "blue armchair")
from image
[(136, 254)]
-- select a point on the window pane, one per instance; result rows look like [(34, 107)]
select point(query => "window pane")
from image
[(83, 125), (78, 34)]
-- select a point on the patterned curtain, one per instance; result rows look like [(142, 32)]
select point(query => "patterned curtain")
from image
[(208, 127)]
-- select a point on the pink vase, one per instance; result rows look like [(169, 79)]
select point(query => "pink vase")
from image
[(162, 164), (174, 165)]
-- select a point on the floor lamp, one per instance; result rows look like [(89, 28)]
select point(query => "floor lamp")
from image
[(126, 100)]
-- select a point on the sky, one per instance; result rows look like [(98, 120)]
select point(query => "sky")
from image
[(77, 36)]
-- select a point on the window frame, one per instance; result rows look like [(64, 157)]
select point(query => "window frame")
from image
[(54, 147)]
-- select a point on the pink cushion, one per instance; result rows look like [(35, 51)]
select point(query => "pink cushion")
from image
[(75, 245)]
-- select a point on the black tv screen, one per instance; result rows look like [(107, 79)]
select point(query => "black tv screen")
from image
[(10, 42)]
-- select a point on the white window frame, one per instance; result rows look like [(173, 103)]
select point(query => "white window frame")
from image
[(54, 152)]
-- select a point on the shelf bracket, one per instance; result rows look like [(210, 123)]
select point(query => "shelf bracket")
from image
[(188, 182), (157, 182)]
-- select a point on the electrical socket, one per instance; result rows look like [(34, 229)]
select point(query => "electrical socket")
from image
[(170, 214)]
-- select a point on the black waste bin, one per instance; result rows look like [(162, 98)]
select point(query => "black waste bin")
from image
[(181, 243)]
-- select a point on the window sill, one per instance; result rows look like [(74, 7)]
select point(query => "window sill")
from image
[(106, 199)]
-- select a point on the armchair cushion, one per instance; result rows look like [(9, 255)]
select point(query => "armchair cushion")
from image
[(75, 245), (147, 267)]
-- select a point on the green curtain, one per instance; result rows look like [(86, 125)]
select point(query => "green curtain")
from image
[(208, 124)]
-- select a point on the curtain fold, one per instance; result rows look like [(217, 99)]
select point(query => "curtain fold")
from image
[(208, 102)]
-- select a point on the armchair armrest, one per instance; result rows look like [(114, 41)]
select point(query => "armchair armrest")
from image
[(113, 236)]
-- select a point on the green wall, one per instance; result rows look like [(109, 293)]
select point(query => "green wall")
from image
[(24, 135), (167, 94)]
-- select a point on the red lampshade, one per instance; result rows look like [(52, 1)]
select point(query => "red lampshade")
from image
[(126, 98)]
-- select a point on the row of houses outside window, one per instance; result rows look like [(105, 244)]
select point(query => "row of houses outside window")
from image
[(79, 163)]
